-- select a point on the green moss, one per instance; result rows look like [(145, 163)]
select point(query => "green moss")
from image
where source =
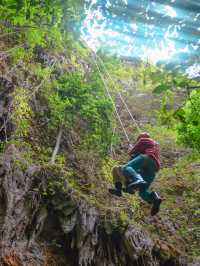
[(2, 146), (123, 219), (22, 113), (107, 166)]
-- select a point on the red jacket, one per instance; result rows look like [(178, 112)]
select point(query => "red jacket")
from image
[(148, 147)]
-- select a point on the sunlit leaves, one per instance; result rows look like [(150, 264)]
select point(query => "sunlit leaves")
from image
[(54, 38), (180, 114), (41, 21), (160, 31), (19, 54), (39, 71), (189, 127), (161, 88), (82, 105), (35, 37), (58, 107), (170, 80)]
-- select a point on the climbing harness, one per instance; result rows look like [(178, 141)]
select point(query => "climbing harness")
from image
[(95, 57)]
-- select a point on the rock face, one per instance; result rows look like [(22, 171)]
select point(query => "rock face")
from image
[(44, 221), (33, 222), (6, 88), (15, 214)]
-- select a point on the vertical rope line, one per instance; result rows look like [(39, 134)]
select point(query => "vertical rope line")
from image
[(107, 89), (122, 99), (109, 95)]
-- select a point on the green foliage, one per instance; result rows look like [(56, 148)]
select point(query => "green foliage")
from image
[(57, 107), (165, 115), (165, 136), (39, 71), (22, 113), (60, 160), (41, 22), (18, 54), (123, 219), (161, 88), (43, 154), (54, 39), (189, 126), (84, 107), (164, 80), (77, 101), (42, 13), (134, 201), (2, 146), (107, 166), (35, 37)]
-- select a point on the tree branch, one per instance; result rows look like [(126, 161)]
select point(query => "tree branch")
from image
[(57, 146)]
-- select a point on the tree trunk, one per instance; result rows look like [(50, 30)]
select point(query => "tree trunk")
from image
[(57, 146)]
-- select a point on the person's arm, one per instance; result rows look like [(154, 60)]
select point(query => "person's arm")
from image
[(130, 147), (135, 148)]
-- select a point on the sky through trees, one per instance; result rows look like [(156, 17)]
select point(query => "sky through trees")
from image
[(158, 31)]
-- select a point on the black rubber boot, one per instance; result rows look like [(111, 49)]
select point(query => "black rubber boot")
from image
[(127, 189), (156, 203), (117, 190)]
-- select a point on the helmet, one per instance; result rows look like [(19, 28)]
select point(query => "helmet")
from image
[(143, 135)]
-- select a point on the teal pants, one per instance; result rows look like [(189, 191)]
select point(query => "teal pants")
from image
[(141, 167)]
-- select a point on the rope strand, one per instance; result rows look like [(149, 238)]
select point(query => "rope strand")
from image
[(109, 95), (120, 95), (94, 56)]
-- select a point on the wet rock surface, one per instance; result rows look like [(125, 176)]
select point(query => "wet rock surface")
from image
[(30, 223), (6, 126), (15, 217)]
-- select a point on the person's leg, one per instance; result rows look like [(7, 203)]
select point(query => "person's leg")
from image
[(117, 190), (136, 163), (156, 203), (131, 172), (118, 180), (148, 174), (145, 194), (117, 175)]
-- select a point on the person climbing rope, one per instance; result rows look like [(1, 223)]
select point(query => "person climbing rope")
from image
[(139, 172)]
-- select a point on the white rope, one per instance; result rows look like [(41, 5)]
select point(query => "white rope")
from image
[(109, 95), (107, 90), (122, 99)]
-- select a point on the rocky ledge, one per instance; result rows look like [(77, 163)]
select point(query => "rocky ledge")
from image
[(43, 221)]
